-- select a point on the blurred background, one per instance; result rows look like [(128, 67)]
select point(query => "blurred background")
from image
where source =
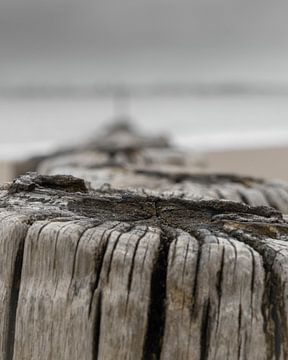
[(212, 73)]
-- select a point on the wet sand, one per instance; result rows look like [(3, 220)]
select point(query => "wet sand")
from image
[(269, 163)]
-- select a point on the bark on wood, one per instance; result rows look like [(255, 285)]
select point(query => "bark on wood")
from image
[(118, 274)]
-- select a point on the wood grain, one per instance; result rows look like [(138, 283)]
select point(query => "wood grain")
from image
[(118, 274)]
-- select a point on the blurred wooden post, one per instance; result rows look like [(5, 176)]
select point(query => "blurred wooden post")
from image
[(126, 159)]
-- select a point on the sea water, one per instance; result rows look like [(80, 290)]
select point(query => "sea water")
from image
[(29, 126)]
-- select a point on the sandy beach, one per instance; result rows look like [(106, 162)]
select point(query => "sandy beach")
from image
[(269, 163)]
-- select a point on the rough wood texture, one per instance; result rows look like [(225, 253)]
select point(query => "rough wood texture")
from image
[(131, 161), (118, 274), (118, 145)]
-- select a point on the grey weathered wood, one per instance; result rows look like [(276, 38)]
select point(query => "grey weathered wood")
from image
[(118, 274), (13, 230), (123, 159), (185, 182), (118, 144)]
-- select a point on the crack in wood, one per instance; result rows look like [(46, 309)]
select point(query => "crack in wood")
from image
[(205, 331), (130, 275), (13, 301), (272, 311), (219, 280), (97, 327), (239, 331), (99, 263), (197, 269), (156, 313), (76, 248)]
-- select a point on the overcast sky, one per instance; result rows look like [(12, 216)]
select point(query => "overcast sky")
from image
[(134, 40)]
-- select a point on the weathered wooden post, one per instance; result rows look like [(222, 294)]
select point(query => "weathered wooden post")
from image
[(116, 274), (124, 159), (148, 258)]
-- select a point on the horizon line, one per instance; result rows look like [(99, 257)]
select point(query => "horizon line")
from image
[(154, 89)]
